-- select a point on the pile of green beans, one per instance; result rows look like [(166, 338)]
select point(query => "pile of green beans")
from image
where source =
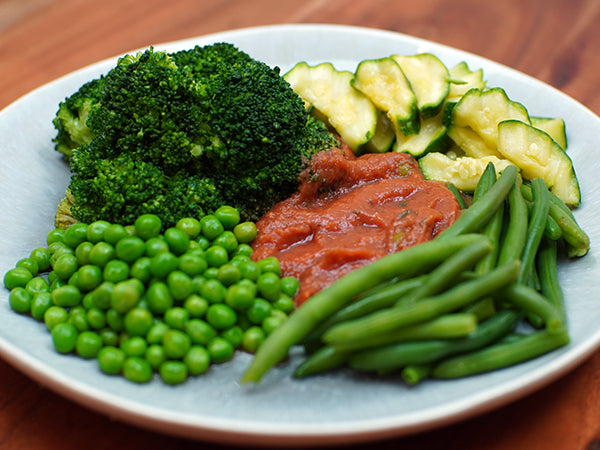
[(143, 301), (482, 295)]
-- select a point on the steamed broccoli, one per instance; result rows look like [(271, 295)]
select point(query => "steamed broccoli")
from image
[(180, 134)]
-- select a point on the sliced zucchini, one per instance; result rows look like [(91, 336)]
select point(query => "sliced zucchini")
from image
[(554, 126), (462, 79), (433, 137), (484, 110), (538, 155), (429, 78), (351, 113), (384, 82), (464, 172), (471, 143), (384, 137)]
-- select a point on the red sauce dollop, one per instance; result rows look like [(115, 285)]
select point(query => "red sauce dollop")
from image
[(350, 211)]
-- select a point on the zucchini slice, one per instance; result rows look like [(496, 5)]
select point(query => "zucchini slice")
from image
[(384, 82), (471, 143), (482, 111), (554, 126), (538, 155), (429, 78), (384, 137), (462, 79), (350, 112), (464, 172), (433, 137)]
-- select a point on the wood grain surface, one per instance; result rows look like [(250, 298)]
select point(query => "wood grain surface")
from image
[(557, 41)]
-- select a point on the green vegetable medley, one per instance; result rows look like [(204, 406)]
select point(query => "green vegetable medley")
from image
[(141, 301)]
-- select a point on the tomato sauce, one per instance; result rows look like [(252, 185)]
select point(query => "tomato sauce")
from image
[(350, 211)]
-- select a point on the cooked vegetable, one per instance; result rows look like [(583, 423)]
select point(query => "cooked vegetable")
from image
[(166, 135)]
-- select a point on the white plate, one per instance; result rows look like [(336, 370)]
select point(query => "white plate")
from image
[(335, 408)]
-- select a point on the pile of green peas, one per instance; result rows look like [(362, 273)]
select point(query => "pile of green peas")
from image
[(142, 300)]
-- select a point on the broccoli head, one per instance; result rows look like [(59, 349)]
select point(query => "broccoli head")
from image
[(184, 133)]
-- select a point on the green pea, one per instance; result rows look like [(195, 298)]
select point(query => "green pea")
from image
[(227, 240), (155, 355), (89, 277), (55, 235), (284, 303), (221, 316), (203, 242), (199, 331), (57, 283), (173, 372), (102, 294), (55, 315), (216, 256), (125, 295), (17, 277), (137, 369), (250, 270), (111, 360), (134, 346), (159, 298), (147, 226), (177, 240), (140, 269), (114, 233), (82, 253), (20, 300), (88, 344), (245, 232), (65, 265), (115, 271), (239, 297), (176, 317), (176, 344), (243, 249), (189, 226), (37, 285), (211, 273), (42, 257), (252, 339), (75, 235), (66, 296), (130, 248), (289, 286), (163, 263), (213, 290), (234, 335), (109, 337), (29, 264), (196, 306), (272, 322), (258, 311), (156, 245), (64, 337), (249, 284), (88, 301), (180, 285), (197, 360), (138, 321), (220, 350), (78, 318), (115, 320), (40, 304), (229, 274), (101, 253), (156, 332), (192, 264), (95, 230), (96, 318), (270, 264), (268, 285)]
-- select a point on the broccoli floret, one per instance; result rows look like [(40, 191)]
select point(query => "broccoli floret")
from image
[(184, 133)]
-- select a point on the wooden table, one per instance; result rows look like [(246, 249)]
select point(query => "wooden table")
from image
[(557, 41)]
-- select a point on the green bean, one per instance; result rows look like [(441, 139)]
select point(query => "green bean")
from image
[(552, 230), (406, 263), (480, 212), (324, 359), (396, 356), (537, 224), (376, 299), (447, 326), (501, 355), (415, 373), (548, 275), (481, 309), (577, 240), (531, 301), (516, 231), (426, 309), (459, 198)]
